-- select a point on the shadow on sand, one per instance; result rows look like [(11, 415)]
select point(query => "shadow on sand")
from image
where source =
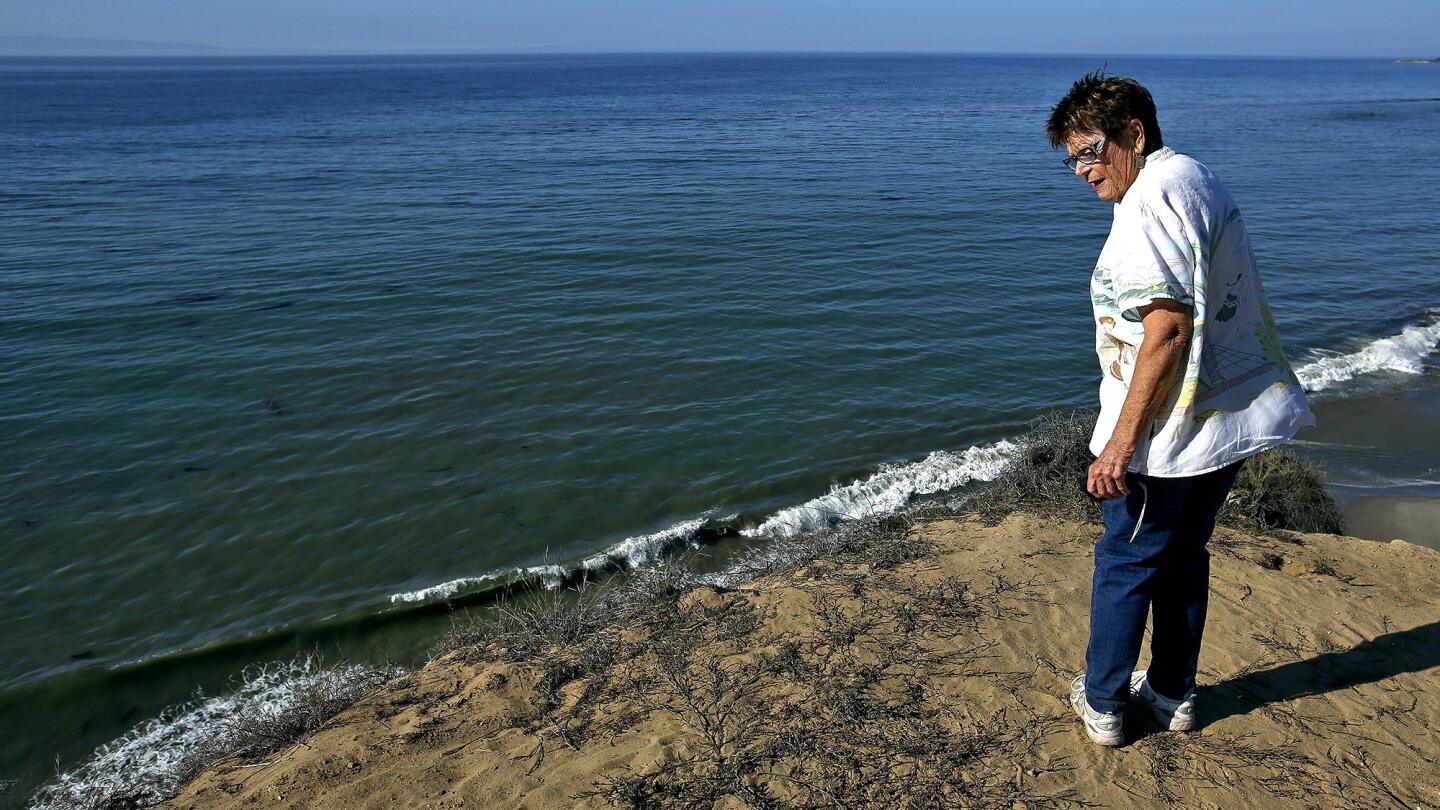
[(1389, 655)]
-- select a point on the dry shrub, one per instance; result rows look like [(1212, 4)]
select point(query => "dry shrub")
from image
[(842, 711), (1275, 490), (1215, 761), (1047, 473), (1279, 490)]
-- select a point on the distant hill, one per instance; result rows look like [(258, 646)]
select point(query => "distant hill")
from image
[(74, 46)]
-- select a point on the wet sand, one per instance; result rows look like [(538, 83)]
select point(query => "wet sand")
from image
[(1380, 517), (1380, 456)]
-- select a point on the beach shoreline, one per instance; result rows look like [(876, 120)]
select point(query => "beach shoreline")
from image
[(536, 635), (1348, 434), (1378, 454), (1319, 667)]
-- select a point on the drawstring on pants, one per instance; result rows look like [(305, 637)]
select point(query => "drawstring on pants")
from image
[(1144, 502)]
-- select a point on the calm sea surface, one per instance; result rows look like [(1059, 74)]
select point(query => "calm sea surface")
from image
[(283, 338)]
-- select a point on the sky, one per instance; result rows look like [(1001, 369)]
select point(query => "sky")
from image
[(1386, 28)]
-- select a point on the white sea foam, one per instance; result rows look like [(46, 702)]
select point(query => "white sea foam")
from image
[(551, 576), (1405, 352), (632, 552), (152, 761), (890, 489), (444, 590), (887, 491)]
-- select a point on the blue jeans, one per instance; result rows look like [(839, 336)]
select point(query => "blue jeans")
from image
[(1152, 559)]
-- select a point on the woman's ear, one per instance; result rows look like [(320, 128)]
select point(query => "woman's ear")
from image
[(1137, 134)]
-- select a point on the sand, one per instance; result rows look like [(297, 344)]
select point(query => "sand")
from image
[(1320, 688)]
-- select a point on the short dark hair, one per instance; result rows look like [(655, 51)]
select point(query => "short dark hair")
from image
[(1104, 104)]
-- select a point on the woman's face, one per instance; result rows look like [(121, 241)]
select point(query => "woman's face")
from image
[(1115, 171)]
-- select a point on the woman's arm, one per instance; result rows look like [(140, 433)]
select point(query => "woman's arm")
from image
[(1168, 325)]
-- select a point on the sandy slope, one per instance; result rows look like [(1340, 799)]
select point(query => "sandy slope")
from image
[(1321, 676)]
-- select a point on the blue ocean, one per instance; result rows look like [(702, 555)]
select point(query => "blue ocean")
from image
[(304, 353)]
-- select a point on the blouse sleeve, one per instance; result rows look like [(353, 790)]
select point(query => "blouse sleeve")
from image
[(1155, 259)]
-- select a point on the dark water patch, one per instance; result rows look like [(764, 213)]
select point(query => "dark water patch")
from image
[(1357, 115), (187, 299), (1386, 110)]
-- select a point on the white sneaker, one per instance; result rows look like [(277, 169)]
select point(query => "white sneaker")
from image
[(1105, 728), (1176, 715)]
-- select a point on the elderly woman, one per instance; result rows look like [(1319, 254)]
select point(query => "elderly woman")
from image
[(1193, 381)]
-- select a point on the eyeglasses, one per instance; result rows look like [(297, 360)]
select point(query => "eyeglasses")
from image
[(1088, 156)]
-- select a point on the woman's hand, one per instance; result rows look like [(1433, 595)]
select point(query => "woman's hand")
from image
[(1107, 474)]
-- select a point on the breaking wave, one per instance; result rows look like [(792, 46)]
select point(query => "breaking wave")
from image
[(890, 489), (1405, 353), (887, 491), (632, 552), (152, 761), (444, 590)]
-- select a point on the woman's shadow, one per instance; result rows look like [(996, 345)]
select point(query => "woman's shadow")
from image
[(1370, 661)]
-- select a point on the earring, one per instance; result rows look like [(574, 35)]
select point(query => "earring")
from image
[(1139, 161)]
